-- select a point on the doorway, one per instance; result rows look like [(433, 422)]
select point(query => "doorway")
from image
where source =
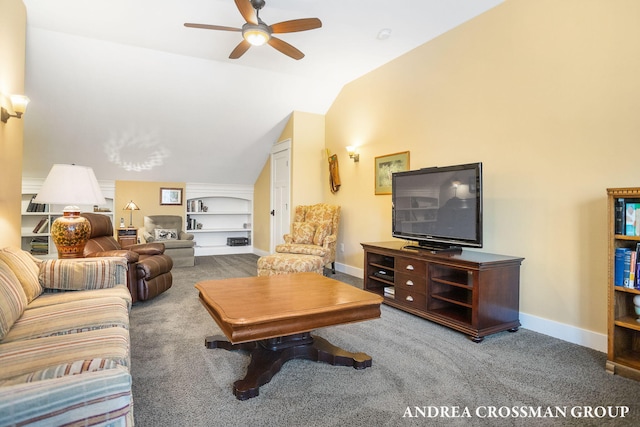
[(280, 192)]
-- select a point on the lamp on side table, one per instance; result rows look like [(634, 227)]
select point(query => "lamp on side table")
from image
[(70, 185)]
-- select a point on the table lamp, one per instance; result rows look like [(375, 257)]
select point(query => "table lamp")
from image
[(131, 206), (70, 185)]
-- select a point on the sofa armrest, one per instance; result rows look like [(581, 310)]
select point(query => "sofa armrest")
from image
[(83, 273), (130, 256), (185, 236), (147, 248), (148, 237), (70, 400)]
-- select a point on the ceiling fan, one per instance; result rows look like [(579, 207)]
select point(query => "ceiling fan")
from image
[(256, 33)]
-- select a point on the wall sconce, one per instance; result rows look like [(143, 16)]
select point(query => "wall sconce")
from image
[(19, 105), (352, 154)]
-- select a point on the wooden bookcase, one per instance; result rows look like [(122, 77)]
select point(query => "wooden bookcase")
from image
[(623, 350), (472, 292)]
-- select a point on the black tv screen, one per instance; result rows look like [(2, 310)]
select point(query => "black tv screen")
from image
[(439, 207)]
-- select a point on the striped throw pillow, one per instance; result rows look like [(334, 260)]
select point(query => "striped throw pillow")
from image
[(12, 299), (25, 266)]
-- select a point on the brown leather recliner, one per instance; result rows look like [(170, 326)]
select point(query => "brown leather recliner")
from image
[(149, 269)]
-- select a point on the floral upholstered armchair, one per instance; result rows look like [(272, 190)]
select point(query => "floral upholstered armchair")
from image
[(314, 231)]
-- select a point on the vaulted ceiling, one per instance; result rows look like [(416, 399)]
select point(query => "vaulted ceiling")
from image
[(122, 86)]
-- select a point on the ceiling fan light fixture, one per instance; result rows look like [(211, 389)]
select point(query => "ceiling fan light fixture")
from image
[(257, 35)]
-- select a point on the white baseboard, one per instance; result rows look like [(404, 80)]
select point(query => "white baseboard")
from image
[(222, 250), (351, 271), (260, 252), (572, 334)]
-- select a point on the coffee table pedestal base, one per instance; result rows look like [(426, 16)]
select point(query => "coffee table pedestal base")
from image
[(268, 356)]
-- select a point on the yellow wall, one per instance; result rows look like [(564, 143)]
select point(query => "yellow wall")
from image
[(147, 196), (261, 208), (13, 21), (308, 159), (546, 94)]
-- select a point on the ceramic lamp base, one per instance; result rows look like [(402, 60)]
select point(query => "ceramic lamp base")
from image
[(70, 233)]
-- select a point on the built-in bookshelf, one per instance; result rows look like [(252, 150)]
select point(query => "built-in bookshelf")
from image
[(623, 350), (37, 218), (220, 217)]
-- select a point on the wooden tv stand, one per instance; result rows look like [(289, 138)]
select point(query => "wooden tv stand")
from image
[(472, 292)]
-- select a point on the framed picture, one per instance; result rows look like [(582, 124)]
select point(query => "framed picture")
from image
[(385, 166), (170, 196)]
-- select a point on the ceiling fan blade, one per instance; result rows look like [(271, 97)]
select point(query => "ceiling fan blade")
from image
[(296, 25), (242, 47), (285, 48), (211, 27), (247, 11)]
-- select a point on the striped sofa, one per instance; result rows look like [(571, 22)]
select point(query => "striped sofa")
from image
[(64, 341)]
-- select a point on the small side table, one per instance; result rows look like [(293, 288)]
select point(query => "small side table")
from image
[(127, 236)]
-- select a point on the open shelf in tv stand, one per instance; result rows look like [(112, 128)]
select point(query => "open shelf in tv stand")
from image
[(475, 293)]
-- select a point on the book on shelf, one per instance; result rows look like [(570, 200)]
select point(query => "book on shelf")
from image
[(32, 205), (44, 227), (41, 226), (630, 219), (626, 267), (39, 246), (191, 223), (196, 205), (36, 229), (634, 282), (632, 270), (36, 207), (618, 277), (627, 217), (619, 216)]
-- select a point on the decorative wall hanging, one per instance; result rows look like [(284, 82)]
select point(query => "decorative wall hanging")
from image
[(334, 175), (384, 168), (170, 196)]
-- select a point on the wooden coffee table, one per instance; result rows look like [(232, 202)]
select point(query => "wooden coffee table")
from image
[(272, 317)]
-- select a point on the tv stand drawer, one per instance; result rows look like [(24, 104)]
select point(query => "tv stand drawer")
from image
[(410, 282), (415, 300), (411, 266)]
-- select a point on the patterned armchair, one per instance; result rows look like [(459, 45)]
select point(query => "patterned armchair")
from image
[(314, 232)]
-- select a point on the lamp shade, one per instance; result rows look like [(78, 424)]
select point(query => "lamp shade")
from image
[(131, 206), (19, 103), (70, 185)]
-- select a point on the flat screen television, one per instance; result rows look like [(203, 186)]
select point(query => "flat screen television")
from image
[(440, 208)]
